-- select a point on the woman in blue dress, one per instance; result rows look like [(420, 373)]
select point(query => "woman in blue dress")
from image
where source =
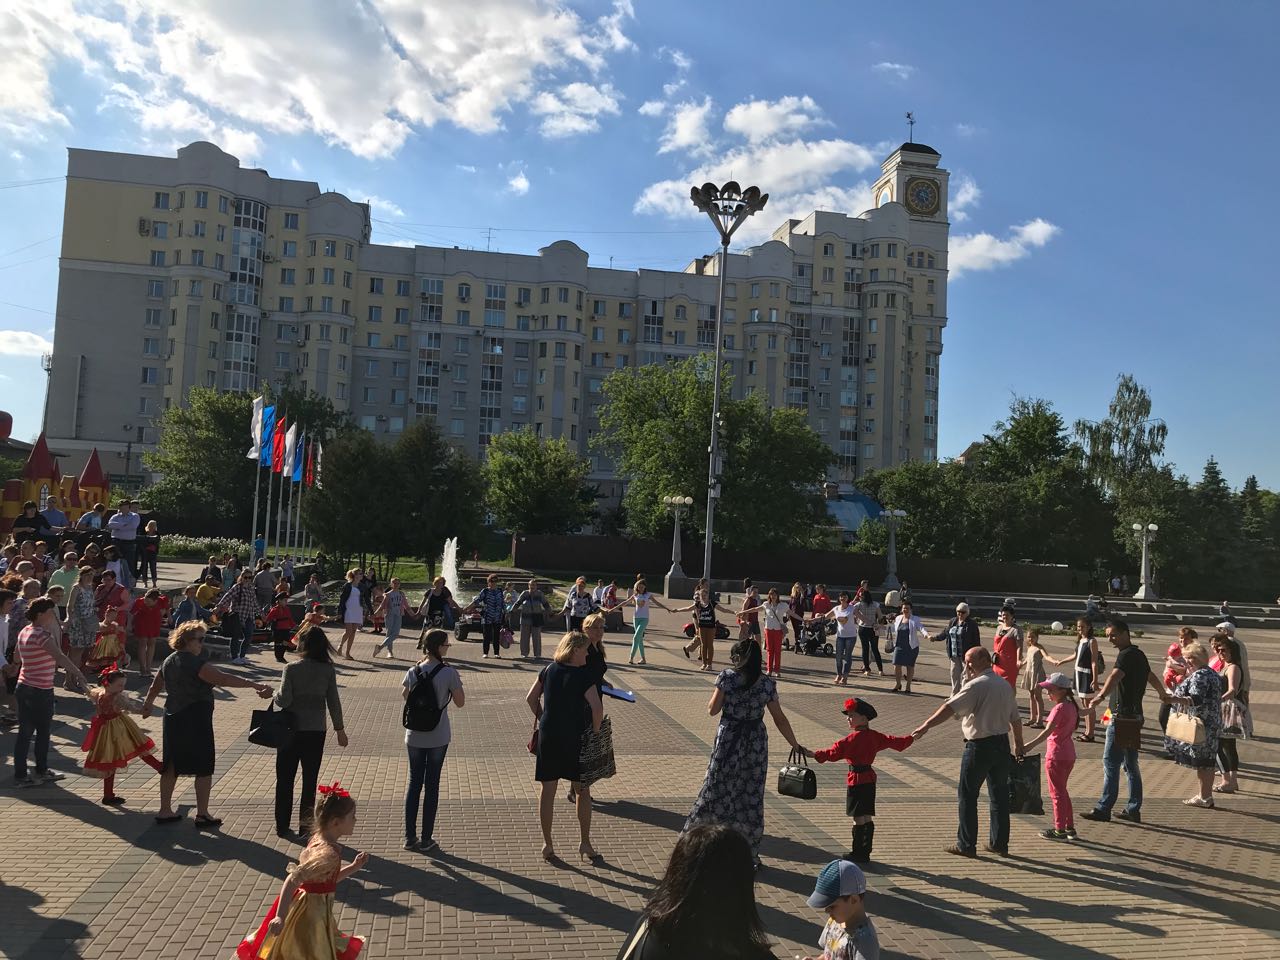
[(733, 792)]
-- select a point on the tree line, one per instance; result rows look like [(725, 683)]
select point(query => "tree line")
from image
[(1031, 490)]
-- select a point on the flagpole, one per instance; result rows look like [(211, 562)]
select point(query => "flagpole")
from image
[(257, 484), (255, 430), (297, 527)]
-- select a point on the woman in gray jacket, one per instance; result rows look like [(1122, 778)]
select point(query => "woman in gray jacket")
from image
[(308, 688)]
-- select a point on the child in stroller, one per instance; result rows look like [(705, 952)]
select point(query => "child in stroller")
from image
[(812, 638)]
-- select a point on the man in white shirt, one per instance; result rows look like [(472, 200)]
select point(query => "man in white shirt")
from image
[(988, 712), (124, 534)]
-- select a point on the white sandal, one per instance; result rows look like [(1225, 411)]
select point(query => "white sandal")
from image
[(1198, 802)]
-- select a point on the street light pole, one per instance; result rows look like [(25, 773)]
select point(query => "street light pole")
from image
[(1146, 533), (727, 207), (676, 505), (891, 519)]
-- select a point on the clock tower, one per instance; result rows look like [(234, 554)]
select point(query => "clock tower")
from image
[(911, 176)]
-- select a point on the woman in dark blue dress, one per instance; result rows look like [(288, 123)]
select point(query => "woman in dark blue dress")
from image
[(557, 699), (733, 792)]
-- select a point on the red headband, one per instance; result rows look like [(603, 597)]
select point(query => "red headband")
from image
[(108, 670), (335, 789)]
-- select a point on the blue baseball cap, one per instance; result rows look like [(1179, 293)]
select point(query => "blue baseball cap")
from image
[(839, 878)]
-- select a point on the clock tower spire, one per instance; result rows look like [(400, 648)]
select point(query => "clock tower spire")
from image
[(911, 176)]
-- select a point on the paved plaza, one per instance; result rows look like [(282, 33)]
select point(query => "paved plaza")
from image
[(80, 880)]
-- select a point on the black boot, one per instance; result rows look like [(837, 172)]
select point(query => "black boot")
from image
[(868, 840)]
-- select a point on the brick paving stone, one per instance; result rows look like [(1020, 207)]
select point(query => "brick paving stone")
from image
[(84, 881)]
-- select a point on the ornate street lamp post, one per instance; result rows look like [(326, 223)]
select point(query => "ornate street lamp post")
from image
[(727, 207), (1145, 533), (676, 505), (891, 520)]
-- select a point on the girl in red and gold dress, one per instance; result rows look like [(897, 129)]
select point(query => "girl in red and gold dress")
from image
[(108, 647), (114, 738), (300, 924)]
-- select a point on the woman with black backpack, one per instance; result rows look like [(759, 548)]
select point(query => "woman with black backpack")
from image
[(429, 688)]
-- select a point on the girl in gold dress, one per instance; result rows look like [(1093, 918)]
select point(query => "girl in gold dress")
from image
[(300, 924), (114, 738)]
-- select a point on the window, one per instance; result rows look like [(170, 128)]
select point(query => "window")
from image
[(284, 304), (155, 289), (326, 304), (869, 375), (773, 314), (224, 204), (215, 320), (342, 363), (402, 288), (828, 249), (890, 299), (597, 334), (150, 347), (375, 284), (373, 339), (562, 322), (197, 258), (401, 342), (348, 252), (288, 276), (202, 199), (771, 341), (624, 336), (402, 315), (219, 262), (868, 450), (150, 375), (162, 201), (346, 279), (459, 373), (289, 248), (157, 258), (221, 233), (331, 248), (160, 230), (371, 368), (369, 395), (929, 286), (931, 261), (196, 288), (728, 342), (457, 428), (562, 294), (327, 276), (873, 325), (560, 350), (344, 335), (282, 360), (869, 401), (464, 292), (522, 374), (375, 314), (871, 351), (460, 399), (893, 250), (828, 274), (775, 289), (875, 250), (751, 366), (152, 318), (463, 318), (461, 345), (754, 315)]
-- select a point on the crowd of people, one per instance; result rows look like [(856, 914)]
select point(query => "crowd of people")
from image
[(81, 617)]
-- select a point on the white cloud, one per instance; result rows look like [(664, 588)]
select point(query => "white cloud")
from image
[(799, 176), (399, 243), (573, 109), (214, 65), (519, 184), (651, 108), (687, 129), (760, 120), (967, 130), (376, 203), (902, 71), (982, 251), (23, 343), (682, 64), (466, 168), (294, 165), (967, 194)]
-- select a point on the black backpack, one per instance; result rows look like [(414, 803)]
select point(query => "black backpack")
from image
[(422, 711)]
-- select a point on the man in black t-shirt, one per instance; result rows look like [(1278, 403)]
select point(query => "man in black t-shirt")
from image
[(1123, 691)]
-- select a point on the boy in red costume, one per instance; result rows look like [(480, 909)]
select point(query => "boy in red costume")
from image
[(859, 748)]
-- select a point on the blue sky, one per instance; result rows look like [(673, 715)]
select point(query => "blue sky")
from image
[(1110, 161)]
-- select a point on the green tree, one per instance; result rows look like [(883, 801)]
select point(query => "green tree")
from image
[(206, 482), (537, 486), (1127, 443), (654, 423), (397, 500), (1158, 495), (11, 468)]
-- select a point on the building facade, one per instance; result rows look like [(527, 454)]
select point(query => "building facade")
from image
[(192, 271)]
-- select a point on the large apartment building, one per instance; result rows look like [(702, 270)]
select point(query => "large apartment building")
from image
[(192, 271)]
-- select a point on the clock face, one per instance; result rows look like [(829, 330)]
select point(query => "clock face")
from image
[(885, 197), (922, 196)]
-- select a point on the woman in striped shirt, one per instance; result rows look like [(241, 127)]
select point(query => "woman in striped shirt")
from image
[(40, 655)]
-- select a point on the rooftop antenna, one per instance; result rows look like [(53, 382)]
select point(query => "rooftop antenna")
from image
[(911, 127)]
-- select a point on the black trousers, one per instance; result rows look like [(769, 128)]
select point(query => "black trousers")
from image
[(491, 632), (870, 645), (307, 749)]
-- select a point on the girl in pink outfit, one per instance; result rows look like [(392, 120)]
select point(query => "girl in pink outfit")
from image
[(1060, 754)]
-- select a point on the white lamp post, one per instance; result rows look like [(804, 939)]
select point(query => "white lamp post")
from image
[(1146, 533), (891, 520), (676, 505)]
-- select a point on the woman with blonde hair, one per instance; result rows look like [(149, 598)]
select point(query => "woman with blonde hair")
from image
[(351, 606), (187, 679), (560, 700), (1201, 695)]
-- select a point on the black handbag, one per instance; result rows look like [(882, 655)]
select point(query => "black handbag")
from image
[(1024, 786), (271, 728), (797, 779)]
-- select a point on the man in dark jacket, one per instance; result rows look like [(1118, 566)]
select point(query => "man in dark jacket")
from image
[(961, 636)]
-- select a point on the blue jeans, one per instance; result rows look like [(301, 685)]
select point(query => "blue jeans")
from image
[(984, 760), (844, 654), (1112, 758), (35, 721), (425, 765), (240, 640)]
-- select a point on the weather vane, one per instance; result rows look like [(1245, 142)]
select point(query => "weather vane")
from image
[(911, 124)]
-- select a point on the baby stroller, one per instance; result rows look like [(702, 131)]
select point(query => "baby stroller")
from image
[(812, 639)]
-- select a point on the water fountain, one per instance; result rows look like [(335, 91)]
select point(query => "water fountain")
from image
[(449, 565)]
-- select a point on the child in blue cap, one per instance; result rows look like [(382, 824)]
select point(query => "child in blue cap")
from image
[(841, 890)]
